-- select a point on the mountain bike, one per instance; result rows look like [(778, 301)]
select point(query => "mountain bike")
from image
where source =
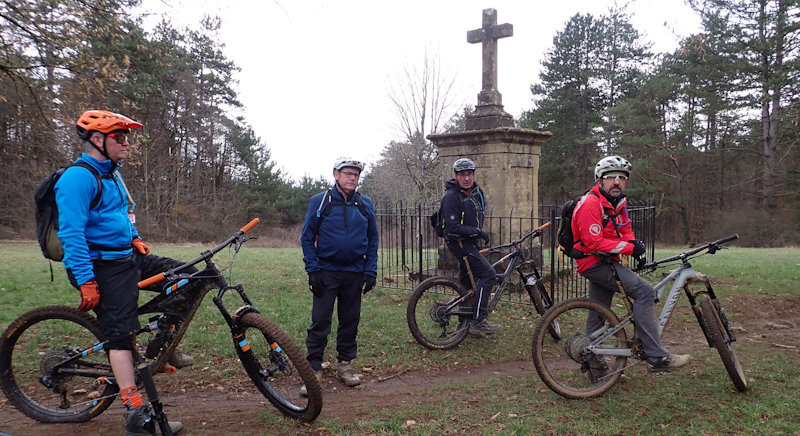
[(569, 368), (440, 309), (54, 362)]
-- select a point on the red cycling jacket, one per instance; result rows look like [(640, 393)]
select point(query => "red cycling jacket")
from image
[(590, 234)]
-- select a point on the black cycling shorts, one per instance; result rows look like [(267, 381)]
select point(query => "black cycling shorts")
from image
[(119, 297)]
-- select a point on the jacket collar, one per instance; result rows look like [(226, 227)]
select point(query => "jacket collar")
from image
[(104, 167)]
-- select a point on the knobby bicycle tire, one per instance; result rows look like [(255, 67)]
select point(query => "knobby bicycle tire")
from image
[(278, 368), (542, 301), (564, 366), (721, 341), (430, 322), (35, 342)]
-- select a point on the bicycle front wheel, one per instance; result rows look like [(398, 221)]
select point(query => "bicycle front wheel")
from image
[(278, 368), (722, 342), (569, 367), (436, 317), (32, 350)]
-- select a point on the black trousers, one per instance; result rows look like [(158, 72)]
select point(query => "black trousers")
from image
[(482, 271), (346, 287)]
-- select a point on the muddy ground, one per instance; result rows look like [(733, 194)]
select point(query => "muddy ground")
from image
[(209, 405)]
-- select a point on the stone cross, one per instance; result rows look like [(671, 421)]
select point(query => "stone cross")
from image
[(488, 34)]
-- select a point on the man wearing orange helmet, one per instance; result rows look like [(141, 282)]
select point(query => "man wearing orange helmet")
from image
[(103, 254)]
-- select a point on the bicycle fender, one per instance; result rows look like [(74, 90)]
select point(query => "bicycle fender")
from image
[(238, 314)]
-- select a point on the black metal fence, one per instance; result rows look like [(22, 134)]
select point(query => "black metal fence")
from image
[(410, 251)]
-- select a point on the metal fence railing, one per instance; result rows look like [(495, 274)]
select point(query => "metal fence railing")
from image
[(410, 251)]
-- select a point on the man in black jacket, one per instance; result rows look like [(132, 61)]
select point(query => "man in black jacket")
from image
[(462, 209)]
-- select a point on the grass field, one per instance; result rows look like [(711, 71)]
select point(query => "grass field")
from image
[(701, 401)]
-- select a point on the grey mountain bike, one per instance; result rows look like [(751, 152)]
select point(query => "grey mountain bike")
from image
[(566, 367)]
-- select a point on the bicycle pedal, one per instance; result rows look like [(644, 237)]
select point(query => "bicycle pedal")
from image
[(169, 369)]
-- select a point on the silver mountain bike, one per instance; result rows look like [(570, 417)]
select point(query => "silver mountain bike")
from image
[(566, 366)]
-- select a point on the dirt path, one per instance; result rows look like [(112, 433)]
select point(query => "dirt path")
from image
[(209, 408)]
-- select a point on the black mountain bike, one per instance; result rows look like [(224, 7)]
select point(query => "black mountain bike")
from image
[(439, 310), (54, 363)]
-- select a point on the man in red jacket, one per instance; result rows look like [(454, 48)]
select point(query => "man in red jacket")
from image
[(600, 223)]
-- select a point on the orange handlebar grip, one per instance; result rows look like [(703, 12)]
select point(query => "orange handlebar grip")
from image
[(155, 279), (250, 225), (544, 226)]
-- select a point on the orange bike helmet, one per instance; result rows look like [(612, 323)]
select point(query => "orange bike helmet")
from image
[(103, 122)]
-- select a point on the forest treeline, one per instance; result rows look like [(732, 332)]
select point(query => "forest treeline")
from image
[(711, 127), (195, 166)]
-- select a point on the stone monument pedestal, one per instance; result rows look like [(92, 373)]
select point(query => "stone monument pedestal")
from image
[(508, 165)]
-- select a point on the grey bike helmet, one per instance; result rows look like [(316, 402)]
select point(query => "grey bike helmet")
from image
[(463, 164), (612, 163), (348, 162)]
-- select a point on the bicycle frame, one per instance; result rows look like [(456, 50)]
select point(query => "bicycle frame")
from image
[(516, 258), (218, 281), (681, 277)]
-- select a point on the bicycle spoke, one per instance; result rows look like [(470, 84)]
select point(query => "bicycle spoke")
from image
[(436, 317), (569, 367), (39, 385)]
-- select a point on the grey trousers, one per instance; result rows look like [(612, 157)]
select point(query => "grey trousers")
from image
[(602, 287)]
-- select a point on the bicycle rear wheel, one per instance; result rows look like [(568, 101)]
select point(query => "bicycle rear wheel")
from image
[(568, 367), (432, 322), (37, 341), (542, 301), (278, 368), (722, 342)]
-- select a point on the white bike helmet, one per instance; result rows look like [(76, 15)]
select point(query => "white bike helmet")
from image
[(348, 162), (612, 163), (463, 164)]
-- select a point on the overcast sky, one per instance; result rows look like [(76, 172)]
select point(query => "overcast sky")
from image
[(315, 74)]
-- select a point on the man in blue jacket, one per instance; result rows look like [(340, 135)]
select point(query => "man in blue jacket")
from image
[(463, 208), (340, 252), (103, 253)]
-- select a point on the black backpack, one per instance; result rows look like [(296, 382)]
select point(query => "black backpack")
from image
[(437, 223), (47, 211), (566, 240)]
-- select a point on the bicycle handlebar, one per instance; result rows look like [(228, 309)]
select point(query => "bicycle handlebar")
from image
[(535, 232), (206, 255), (712, 248)]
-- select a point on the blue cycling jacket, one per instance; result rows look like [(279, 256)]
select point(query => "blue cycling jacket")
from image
[(107, 225), (346, 240)]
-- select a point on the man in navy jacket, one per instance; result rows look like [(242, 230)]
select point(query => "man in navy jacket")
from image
[(463, 208), (340, 252)]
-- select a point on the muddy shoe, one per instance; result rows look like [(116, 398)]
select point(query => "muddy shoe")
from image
[(479, 329), (139, 422), (179, 359), (345, 374), (304, 389), (668, 363)]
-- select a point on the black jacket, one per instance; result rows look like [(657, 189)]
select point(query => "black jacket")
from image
[(463, 211)]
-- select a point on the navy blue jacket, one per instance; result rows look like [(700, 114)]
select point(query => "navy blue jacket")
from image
[(463, 211), (346, 240)]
